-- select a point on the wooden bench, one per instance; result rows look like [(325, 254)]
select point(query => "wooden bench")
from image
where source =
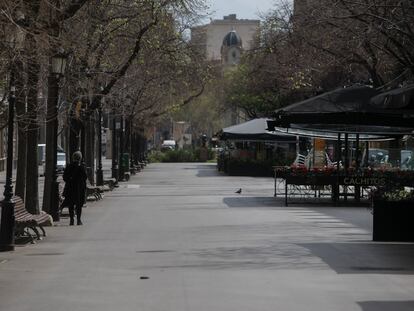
[(134, 169), (25, 220), (93, 193), (111, 183)]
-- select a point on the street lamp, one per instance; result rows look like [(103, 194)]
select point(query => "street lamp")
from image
[(121, 170), (99, 172), (7, 205), (57, 70), (115, 167), (131, 145)]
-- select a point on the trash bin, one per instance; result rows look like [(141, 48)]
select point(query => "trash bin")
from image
[(124, 162)]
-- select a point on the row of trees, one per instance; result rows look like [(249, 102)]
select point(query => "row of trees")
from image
[(129, 57), (308, 47)]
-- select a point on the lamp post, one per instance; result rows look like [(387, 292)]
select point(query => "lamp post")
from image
[(99, 172), (131, 146), (7, 205), (16, 39), (114, 147), (58, 66), (121, 171)]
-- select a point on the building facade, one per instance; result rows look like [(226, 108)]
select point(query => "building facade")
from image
[(209, 38)]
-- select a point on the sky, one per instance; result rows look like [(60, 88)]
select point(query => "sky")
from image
[(245, 9)]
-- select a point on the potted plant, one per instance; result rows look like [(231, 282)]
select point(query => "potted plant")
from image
[(393, 215)]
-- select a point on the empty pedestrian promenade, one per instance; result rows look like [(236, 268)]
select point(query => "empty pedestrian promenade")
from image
[(177, 237)]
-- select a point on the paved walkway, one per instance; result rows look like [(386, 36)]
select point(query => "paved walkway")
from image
[(177, 238)]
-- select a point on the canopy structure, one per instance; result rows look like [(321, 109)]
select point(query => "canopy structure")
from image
[(357, 109), (399, 100), (254, 130), (365, 130), (328, 134)]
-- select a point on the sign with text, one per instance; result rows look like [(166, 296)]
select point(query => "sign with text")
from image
[(364, 181)]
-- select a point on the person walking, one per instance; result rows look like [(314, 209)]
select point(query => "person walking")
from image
[(75, 187)]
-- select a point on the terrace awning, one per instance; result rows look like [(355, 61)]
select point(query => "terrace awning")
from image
[(357, 109), (331, 135), (254, 130)]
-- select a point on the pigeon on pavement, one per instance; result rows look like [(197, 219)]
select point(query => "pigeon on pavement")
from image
[(239, 191)]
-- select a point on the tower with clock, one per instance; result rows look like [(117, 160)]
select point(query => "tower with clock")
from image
[(231, 49)]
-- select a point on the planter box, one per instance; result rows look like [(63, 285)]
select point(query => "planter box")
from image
[(249, 169), (311, 180), (393, 221)]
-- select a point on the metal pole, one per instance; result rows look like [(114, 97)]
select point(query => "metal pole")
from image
[(121, 150), (114, 147), (357, 165), (297, 145), (131, 146), (337, 194), (99, 172), (54, 199), (83, 139), (366, 164), (346, 147), (357, 153), (7, 205)]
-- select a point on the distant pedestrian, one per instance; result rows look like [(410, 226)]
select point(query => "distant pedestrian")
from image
[(75, 187)]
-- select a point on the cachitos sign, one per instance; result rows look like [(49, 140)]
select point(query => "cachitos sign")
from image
[(364, 181)]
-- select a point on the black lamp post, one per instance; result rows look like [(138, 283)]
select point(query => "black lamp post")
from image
[(7, 205), (131, 145), (114, 147), (121, 172), (16, 40), (99, 172), (58, 66)]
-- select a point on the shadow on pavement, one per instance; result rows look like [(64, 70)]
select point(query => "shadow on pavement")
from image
[(280, 256), (356, 216), (205, 170), (386, 305), (366, 258), (249, 202)]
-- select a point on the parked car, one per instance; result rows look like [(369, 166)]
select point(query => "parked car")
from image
[(61, 162), (41, 155), (168, 145)]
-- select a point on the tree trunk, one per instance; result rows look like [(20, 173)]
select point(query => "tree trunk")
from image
[(51, 132), (74, 132), (93, 148), (83, 140), (21, 149), (32, 191), (89, 149)]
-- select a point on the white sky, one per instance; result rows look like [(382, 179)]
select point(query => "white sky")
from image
[(247, 9)]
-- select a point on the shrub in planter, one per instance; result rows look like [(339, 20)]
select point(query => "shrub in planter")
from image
[(180, 155), (249, 167), (156, 156), (393, 216), (210, 155)]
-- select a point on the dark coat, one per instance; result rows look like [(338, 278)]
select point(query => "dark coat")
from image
[(75, 184)]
